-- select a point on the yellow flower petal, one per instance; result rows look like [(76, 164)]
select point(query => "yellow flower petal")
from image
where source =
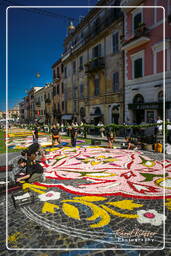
[(90, 198), (71, 211), (48, 207), (125, 204), (129, 216)]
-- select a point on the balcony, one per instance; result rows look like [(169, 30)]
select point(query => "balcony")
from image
[(57, 78), (95, 65), (140, 37)]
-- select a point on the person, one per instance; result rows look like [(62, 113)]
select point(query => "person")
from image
[(55, 134), (102, 129), (110, 137), (158, 127), (168, 131), (31, 152), (33, 173), (35, 134), (62, 127), (81, 128), (129, 144), (74, 135)]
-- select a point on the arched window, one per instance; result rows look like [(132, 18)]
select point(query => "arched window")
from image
[(138, 99), (160, 96)]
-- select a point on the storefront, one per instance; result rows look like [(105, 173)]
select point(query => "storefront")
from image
[(149, 111)]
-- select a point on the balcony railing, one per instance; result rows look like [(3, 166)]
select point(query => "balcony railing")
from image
[(95, 65), (137, 38)]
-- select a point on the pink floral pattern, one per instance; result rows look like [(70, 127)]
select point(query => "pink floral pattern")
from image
[(107, 172)]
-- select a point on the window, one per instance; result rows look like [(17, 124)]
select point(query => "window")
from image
[(58, 73), (62, 105), (138, 64), (62, 68), (65, 72), (81, 63), (58, 107), (81, 90), (96, 87), (75, 106), (54, 74), (116, 82), (138, 71), (115, 43), (137, 21), (57, 89), (75, 92), (74, 67), (62, 88), (54, 91), (96, 51)]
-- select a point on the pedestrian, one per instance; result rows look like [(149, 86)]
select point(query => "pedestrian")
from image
[(158, 128), (129, 143), (55, 134), (35, 134), (81, 128), (102, 129), (74, 131), (110, 136), (62, 127), (34, 172)]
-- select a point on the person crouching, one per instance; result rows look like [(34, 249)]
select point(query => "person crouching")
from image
[(34, 172)]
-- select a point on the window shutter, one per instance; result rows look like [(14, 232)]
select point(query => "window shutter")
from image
[(138, 68)]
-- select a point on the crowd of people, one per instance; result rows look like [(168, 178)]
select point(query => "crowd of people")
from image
[(29, 167)]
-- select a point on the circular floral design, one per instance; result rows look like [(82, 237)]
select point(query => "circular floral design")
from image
[(50, 195), (150, 216)]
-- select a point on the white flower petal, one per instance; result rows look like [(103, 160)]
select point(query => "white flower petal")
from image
[(50, 195)]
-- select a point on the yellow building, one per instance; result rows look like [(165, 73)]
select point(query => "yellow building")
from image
[(58, 92), (93, 66)]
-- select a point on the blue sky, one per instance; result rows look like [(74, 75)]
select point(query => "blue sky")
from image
[(35, 43)]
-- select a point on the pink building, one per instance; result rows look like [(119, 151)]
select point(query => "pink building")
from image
[(143, 47)]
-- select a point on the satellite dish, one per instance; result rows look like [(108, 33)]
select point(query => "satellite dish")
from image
[(38, 75)]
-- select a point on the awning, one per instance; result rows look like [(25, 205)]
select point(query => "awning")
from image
[(66, 117)]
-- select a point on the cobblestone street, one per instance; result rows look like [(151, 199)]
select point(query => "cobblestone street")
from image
[(28, 228)]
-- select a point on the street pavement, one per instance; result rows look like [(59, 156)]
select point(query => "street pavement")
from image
[(33, 233)]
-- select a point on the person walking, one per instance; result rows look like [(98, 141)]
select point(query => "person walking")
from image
[(55, 134), (102, 129), (35, 134), (110, 137), (74, 131)]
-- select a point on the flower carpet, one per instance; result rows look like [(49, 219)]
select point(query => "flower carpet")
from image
[(107, 198)]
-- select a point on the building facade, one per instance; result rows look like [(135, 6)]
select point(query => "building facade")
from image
[(143, 48), (40, 105), (58, 92), (93, 66), (31, 103)]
